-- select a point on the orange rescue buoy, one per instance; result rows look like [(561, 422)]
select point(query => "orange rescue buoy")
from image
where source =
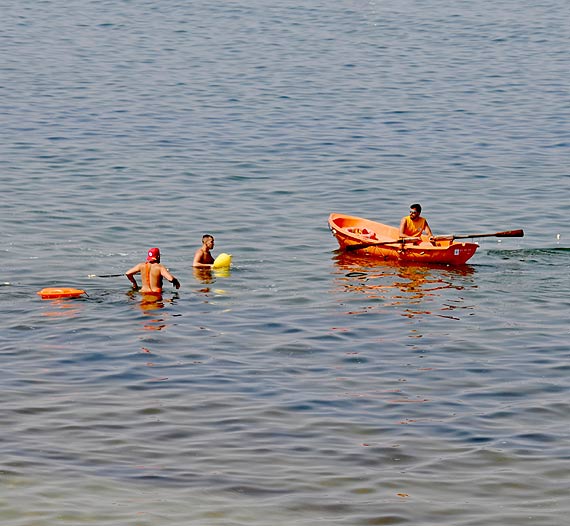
[(50, 293)]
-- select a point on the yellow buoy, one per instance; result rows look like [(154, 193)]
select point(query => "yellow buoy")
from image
[(222, 272), (222, 261)]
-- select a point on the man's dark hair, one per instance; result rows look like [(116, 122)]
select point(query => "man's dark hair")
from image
[(417, 207)]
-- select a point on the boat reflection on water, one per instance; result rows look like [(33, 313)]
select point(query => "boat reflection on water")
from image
[(416, 289)]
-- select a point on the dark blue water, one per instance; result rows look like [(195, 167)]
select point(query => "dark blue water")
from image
[(303, 386)]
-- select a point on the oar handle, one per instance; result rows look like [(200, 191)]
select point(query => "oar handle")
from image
[(402, 241)]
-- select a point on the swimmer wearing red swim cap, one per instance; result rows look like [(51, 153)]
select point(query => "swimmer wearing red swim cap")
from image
[(152, 274)]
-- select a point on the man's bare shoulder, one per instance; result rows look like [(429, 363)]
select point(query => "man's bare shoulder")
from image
[(136, 268)]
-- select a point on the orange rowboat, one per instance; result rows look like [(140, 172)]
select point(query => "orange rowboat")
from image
[(51, 293), (382, 241)]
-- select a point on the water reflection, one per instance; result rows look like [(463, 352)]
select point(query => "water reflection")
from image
[(416, 290), (63, 308), (203, 275), (150, 304), (208, 276)]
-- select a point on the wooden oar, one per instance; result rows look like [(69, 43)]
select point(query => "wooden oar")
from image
[(401, 241), (507, 233)]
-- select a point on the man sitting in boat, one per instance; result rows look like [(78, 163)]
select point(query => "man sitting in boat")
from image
[(414, 225)]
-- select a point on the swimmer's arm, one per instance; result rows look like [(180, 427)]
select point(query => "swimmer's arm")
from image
[(167, 275), (402, 227), (130, 275)]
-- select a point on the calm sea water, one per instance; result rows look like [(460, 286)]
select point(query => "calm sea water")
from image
[(303, 386)]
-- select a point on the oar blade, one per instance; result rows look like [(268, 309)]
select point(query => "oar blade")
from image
[(511, 233)]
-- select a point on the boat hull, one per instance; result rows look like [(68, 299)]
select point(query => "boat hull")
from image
[(362, 236)]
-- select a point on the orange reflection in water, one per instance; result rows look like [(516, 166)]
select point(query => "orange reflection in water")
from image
[(65, 308), (419, 289), (151, 304)]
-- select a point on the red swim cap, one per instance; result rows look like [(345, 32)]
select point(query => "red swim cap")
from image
[(153, 254)]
